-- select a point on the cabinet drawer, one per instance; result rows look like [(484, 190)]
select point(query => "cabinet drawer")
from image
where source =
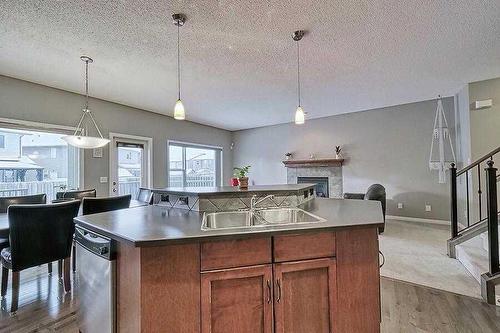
[(304, 246), (235, 253)]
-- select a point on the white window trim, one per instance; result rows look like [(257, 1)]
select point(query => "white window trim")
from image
[(195, 145), (49, 128), (149, 140)]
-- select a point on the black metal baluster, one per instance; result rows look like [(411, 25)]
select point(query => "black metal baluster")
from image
[(479, 192), (453, 190), (467, 197), (491, 191)]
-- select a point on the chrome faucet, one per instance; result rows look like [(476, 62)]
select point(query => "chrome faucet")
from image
[(254, 202)]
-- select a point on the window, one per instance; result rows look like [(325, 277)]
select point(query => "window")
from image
[(130, 167), (191, 165), (33, 162)]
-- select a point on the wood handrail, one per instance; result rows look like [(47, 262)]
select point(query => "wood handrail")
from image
[(479, 161)]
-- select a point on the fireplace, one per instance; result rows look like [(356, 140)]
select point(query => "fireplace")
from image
[(321, 187)]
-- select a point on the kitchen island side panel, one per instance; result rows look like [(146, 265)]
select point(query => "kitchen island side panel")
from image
[(358, 281), (170, 288)]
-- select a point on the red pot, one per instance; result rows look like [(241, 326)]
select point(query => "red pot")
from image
[(234, 181)]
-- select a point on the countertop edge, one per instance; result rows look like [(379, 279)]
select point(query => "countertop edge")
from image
[(237, 235)]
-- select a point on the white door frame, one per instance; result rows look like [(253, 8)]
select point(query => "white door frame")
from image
[(148, 151)]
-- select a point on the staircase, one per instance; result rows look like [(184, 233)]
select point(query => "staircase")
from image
[(474, 235)]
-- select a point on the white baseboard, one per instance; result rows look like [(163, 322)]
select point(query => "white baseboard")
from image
[(417, 219)]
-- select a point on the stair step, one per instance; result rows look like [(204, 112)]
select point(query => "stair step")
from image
[(473, 256)]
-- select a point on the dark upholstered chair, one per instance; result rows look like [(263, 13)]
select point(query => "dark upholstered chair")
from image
[(39, 234), (79, 195), (71, 195), (100, 205), (5, 202), (145, 195), (374, 192)]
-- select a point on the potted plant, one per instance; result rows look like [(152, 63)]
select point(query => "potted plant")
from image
[(242, 174), (338, 151)]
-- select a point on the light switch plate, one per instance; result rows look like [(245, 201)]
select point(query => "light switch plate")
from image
[(103, 179), (97, 153), (400, 205), (428, 208)]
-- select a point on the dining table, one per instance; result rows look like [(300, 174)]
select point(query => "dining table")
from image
[(4, 218)]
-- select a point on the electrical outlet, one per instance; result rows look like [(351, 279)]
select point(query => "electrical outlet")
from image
[(428, 208), (103, 179), (497, 300), (400, 205)]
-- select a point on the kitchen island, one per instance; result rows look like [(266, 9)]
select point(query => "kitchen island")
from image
[(172, 276)]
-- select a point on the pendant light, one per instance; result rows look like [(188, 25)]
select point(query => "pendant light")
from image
[(80, 137), (299, 113), (179, 112)]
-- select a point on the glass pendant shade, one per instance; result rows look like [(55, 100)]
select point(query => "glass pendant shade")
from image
[(85, 142), (299, 116), (179, 113)]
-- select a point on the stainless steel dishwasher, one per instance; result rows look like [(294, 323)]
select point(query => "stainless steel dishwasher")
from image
[(96, 256)]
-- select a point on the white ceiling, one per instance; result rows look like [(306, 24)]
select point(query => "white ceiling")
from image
[(238, 56)]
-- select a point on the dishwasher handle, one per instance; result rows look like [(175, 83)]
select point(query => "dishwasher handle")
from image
[(95, 243)]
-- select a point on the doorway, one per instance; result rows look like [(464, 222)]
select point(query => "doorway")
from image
[(130, 163)]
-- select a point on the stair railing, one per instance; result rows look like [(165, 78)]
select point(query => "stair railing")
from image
[(459, 232)]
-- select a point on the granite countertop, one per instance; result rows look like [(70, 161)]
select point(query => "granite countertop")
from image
[(232, 189), (156, 225)]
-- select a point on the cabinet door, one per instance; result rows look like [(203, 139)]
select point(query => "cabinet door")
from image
[(305, 296), (237, 300)]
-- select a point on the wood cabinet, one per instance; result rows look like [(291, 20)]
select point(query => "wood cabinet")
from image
[(237, 300), (302, 295), (306, 296)]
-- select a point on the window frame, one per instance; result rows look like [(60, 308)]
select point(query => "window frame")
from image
[(219, 151)]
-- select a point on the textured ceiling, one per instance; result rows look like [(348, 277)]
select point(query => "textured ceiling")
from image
[(238, 57)]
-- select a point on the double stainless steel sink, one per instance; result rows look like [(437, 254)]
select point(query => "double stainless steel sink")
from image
[(258, 218)]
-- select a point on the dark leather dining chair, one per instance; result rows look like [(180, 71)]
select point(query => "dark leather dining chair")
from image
[(100, 205), (77, 194), (145, 195), (5, 202), (69, 195), (38, 234), (374, 192)]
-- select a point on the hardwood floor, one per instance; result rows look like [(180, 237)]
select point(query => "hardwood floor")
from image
[(406, 307), (43, 305)]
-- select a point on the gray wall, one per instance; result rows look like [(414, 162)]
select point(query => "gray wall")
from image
[(28, 101), (485, 123), (388, 146), (484, 137)]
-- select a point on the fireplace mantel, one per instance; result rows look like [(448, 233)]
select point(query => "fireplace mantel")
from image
[(310, 163)]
